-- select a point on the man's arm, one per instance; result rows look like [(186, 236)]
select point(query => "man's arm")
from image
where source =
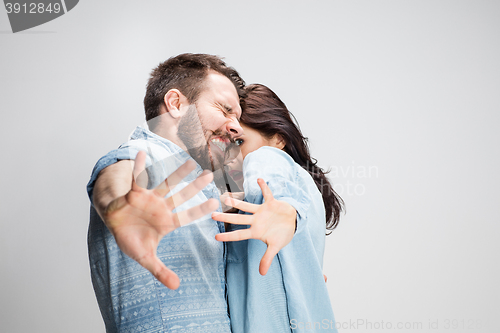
[(112, 182)]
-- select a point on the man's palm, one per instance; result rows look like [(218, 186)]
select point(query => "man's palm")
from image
[(141, 218)]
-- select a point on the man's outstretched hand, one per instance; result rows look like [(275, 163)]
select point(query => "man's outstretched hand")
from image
[(273, 222), (141, 218)]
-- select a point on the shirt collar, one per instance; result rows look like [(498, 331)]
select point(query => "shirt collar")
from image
[(177, 152)]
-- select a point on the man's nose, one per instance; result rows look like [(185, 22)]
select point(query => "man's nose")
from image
[(233, 128)]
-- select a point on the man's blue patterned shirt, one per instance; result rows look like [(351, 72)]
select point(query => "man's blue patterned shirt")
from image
[(129, 297)]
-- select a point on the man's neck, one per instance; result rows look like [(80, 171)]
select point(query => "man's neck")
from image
[(166, 127)]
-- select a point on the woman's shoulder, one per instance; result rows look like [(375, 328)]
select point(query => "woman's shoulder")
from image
[(267, 154), (271, 162)]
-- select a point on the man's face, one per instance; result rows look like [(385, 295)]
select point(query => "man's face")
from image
[(210, 126)]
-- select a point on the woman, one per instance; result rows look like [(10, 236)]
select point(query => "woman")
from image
[(292, 295)]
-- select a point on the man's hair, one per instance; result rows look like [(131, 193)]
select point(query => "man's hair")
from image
[(186, 72)]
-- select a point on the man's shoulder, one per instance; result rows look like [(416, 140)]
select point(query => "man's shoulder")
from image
[(162, 156), (158, 149), (153, 144)]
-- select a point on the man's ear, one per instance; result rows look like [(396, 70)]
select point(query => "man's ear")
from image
[(173, 100)]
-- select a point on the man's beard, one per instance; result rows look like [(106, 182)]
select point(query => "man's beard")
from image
[(194, 136)]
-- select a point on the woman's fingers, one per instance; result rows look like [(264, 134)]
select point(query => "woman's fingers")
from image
[(233, 218), (175, 178), (242, 205), (234, 236), (267, 259), (266, 191), (237, 195)]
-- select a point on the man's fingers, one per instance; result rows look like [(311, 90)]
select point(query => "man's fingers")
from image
[(242, 205), (266, 191), (138, 171), (194, 213), (234, 236), (190, 190), (175, 178), (267, 259), (161, 272), (233, 218)]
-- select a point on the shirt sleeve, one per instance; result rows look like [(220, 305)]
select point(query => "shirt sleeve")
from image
[(127, 151), (279, 172)]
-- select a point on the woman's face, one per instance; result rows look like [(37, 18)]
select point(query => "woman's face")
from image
[(252, 140), (248, 142)]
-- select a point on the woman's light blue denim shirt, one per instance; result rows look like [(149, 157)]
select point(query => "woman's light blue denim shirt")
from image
[(129, 297), (292, 297)]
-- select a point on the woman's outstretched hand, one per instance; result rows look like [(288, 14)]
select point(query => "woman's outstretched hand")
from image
[(273, 222), (141, 218)]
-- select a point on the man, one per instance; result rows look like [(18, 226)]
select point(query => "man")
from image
[(192, 108)]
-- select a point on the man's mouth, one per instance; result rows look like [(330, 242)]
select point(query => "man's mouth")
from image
[(220, 143)]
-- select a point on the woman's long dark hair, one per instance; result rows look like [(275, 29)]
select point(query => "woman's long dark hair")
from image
[(267, 114)]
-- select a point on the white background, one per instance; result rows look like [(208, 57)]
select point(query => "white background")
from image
[(406, 91)]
